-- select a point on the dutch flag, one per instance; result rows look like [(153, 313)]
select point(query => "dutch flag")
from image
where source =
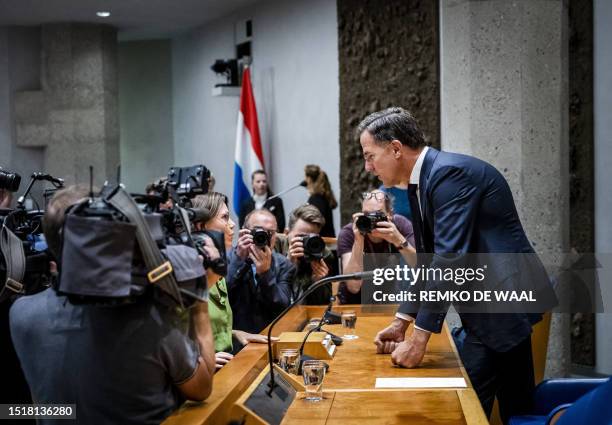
[(249, 154)]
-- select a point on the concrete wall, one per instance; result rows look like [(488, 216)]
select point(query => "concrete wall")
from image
[(603, 174), (295, 80), (504, 99), (19, 71), (145, 111)]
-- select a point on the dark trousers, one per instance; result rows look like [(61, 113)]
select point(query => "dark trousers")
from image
[(505, 375)]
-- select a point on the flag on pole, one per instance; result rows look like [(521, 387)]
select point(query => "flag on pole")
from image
[(249, 154)]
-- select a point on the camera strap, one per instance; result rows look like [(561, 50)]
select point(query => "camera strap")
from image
[(12, 248), (160, 269)]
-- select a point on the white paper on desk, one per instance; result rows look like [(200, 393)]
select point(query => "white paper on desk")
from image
[(420, 383)]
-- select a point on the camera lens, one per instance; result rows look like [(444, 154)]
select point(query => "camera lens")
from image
[(9, 181), (364, 224), (313, 246), (261, 237)]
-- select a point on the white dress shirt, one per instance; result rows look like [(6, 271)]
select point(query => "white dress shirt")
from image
[(415, 177)]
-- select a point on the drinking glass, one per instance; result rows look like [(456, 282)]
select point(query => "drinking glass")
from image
[(348, 324), (289, 360), (313, 372)]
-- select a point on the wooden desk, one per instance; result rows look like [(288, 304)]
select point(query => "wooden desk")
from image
[(350, 396)]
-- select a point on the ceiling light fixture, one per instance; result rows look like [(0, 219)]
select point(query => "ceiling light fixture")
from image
[(103, 14)]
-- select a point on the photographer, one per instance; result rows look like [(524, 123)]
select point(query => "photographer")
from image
[(213, 205), (118, 364), (259, 280), (303, 246), (382, 232)]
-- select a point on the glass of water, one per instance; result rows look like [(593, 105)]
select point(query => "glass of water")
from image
[(289, 360), (349, 318), (313, 372)]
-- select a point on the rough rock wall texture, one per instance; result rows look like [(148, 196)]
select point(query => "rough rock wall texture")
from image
[(388, 54), (581, 160)]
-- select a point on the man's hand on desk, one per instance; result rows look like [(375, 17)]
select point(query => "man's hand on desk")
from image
[(388, 339), (410, 353)]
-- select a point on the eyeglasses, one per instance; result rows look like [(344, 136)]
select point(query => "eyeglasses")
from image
[(379, 196)]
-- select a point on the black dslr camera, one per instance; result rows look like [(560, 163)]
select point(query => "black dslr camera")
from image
[(261, 237), (313, 247), (367, 222)]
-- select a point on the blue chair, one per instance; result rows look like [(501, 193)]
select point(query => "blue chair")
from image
[(571, 402)]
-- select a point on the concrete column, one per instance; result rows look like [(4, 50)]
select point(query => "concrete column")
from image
[(504, 99), (75, 115)]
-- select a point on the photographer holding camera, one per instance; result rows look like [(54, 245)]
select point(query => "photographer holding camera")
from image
[(374, 230), (303, 246), (128, 362), (259, 280)]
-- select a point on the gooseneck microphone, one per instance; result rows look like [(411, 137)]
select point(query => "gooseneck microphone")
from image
[(310, 290), (278, 195)]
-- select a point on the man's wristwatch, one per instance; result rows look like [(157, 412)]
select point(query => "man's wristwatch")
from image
[(403, 245)]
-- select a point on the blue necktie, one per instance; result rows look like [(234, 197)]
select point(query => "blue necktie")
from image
[(417, 220)]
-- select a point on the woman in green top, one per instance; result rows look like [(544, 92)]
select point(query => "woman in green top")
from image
[(219, 309)]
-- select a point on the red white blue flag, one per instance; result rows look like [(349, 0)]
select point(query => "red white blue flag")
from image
[(249, 154)]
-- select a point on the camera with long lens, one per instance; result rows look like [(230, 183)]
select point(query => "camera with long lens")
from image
[(367, 222), (313, 247), (9, 181), (261, 237)]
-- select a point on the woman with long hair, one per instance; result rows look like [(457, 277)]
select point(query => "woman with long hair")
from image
[(321, 196), (217, 218)]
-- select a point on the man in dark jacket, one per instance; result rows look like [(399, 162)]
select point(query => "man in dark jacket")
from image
[(461, 205), (261, 199), (259, 280)]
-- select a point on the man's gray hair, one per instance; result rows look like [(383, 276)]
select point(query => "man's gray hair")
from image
[(393, 123)]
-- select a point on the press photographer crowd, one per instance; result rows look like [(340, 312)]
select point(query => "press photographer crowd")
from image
[(136, 300)]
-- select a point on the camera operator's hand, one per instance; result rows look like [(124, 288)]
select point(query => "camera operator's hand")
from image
[(388, 231), (296, 249), (319, 270), (356, 232), (262, 258), (5, 198), (245, 241)]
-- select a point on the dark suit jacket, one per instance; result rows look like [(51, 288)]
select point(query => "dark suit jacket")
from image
[(275, 206), (256, 304), (468, 208)]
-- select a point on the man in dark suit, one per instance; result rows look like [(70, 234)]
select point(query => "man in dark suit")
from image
[(261, 199), (461, 205)]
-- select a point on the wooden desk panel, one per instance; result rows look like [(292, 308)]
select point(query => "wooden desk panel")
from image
[(397, 407)]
